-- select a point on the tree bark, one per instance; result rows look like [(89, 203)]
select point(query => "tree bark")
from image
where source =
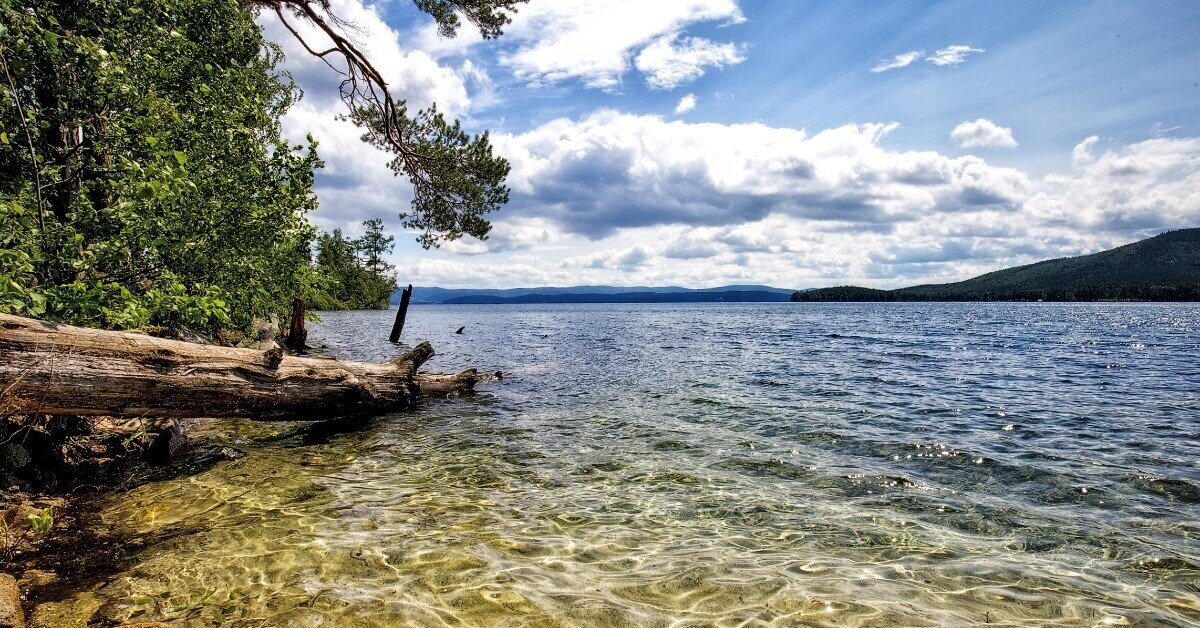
[(297, 336), (47, 368)]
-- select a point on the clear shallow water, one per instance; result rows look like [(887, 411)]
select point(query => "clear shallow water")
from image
[(759, 464)]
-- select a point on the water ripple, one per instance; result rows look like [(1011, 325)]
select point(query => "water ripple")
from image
[(664, 465)]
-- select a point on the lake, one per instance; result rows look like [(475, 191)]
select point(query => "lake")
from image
[(701, 464)]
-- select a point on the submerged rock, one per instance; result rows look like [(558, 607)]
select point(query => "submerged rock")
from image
[(76, 611), (36, 578), (11, 615)]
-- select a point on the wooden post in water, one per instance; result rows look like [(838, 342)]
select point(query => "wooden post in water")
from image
[(398, 326)]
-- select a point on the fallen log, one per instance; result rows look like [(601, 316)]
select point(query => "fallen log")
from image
[(48, 368)]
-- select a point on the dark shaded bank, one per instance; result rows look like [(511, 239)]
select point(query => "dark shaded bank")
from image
[(56, 473), (68, 453), (1163, 268)]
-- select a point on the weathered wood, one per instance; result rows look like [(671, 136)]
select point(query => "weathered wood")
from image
[(49, 368), (297, 336), (437, 385), (398, 325)]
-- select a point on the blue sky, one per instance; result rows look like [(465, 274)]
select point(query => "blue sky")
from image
[(702, 142)]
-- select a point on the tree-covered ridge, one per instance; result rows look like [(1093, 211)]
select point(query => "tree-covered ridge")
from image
[(1162, 268), (144, 179)]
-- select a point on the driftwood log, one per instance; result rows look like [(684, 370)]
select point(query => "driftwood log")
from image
[(47, 368)]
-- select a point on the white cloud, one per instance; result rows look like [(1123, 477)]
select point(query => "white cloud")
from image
[(899, 61), (611, 170), (1142, 187), (633, 199), (1081, 155), (627, 258), (412, 74), (671, 61), (639, 200), (952, 55), (557, 40), (686, 104), (983, 133), (1159, 129)]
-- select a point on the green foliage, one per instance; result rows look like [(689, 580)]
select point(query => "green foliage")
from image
[(1163, 268), (373, 246), (144, 181), (351, 274), (40, 523), (456, 178), (488, 15), (15, 538)]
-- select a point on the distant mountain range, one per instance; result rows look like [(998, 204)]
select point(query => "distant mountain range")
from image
[(599, 294), (1163, 268)]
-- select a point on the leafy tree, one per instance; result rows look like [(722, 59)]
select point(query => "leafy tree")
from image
[(144, 180), (456, 178), (351, 274), (373, 246)]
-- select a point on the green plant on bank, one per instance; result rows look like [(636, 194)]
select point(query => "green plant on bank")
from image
[(15, 538), (144, 178)]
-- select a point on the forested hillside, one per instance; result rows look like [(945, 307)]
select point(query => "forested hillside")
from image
[(1162, 268)]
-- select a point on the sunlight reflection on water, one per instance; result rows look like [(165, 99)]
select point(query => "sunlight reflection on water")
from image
[(658, 465)]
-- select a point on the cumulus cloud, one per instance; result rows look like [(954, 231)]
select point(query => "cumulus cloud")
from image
[(983, 133), (411, 73), (623, 259), (612, 170), (671, 61), (356, 183), (901, 60), (1081, 155), (1139, 188), (614, 197), (621, 198), (953, 54), (593, 42), (686, 104)]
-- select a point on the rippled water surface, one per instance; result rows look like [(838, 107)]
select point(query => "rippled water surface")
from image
[(670, 465)]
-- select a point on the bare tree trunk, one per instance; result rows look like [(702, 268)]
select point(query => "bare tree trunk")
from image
[(297, 336), (46, 368)]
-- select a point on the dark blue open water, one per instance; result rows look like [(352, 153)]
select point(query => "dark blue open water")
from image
[(755, 464)]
